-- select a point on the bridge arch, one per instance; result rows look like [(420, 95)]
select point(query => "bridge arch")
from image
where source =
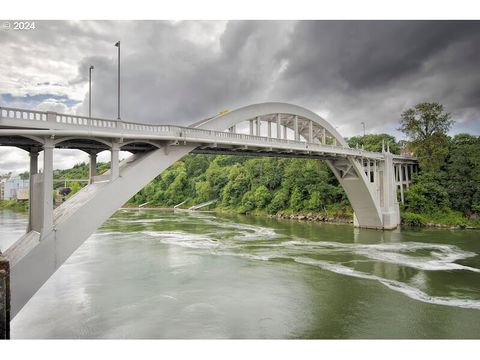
[(267, 112), (364, 196)]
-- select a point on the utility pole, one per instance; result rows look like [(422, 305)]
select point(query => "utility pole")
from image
[(117, 44), (90, 90)]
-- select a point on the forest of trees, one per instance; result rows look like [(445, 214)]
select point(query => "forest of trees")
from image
[(447, 190)]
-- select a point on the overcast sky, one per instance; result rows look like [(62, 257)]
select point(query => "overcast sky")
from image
[(180, 72)]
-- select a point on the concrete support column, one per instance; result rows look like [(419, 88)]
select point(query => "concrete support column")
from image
[(310, 131), (410, 175), (295, 127), (279, 132), (93, 166), (400, 174), (369, 171), (269, 128), (33, 170), (251, 126), (324, 136), (284, 131), (4, 298), (48, 185), (374, 171), (257, 126), (114, 161)]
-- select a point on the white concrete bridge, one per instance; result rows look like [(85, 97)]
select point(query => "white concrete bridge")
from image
[(370, 179)]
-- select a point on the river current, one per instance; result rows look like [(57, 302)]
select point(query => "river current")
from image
[(163, 274)]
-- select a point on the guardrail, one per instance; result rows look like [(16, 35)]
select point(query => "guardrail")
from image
[(180, 133)]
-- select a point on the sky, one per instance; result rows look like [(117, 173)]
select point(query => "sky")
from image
[(178, 72)]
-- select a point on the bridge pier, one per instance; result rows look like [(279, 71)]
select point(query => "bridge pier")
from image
[(279, 130), (47, 208), (4, 298), (390, 207), (92, 169), (33, 171), (114, 161)]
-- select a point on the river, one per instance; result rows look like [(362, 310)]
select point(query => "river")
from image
[(160, 274)]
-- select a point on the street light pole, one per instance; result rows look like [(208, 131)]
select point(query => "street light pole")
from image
[(363, 127), (90, 90), (117, 44)]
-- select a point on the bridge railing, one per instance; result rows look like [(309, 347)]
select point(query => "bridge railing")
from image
[(172, 131), (22, 114)]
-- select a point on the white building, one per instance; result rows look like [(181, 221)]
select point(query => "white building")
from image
[(14, 189)]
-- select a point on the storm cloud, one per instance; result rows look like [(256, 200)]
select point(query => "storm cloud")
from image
[(179, 72)]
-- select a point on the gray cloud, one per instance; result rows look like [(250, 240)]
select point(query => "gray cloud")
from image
[(179, 72)]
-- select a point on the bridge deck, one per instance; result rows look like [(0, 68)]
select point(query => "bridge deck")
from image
[(18, 127)]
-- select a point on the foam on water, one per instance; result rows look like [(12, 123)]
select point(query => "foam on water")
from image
[(441, 257), (183, 239), (259, 243), (403, 288), (146, 221)]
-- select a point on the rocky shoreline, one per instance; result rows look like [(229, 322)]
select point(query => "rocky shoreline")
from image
[(312, 217)]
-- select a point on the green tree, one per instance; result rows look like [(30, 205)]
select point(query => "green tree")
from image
[(262, 197), (426, 124), (373, 142), (426, 195), (203, 191), (462, 178), (248, 202), (296, 200), (315, 201), (279, 201)]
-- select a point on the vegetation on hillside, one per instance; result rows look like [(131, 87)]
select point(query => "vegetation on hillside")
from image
[(248, 185)]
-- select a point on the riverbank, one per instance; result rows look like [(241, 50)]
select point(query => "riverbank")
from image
[(441, 221), (336, 215), (15, 205)]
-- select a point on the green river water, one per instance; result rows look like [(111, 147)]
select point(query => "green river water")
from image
[(161, 274)]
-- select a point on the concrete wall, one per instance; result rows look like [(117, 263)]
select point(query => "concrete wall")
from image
[(4, 299)]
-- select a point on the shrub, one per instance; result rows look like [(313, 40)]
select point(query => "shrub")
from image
[(262, 197), (413, 219), (279, 201)]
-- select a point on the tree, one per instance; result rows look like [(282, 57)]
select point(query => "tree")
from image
[(279, 201), (296, 200), (425, 119), (463, 173), (426, 124), (373, 142), (262, 197), (426, 195)]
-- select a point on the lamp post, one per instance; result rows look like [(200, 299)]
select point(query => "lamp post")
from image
[(363, 127), (117, 44), (90, 90)]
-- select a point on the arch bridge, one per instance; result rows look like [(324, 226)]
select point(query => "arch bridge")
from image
[(370, 179)]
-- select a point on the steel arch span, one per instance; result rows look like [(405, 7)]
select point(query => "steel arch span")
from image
[(370, 179)]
